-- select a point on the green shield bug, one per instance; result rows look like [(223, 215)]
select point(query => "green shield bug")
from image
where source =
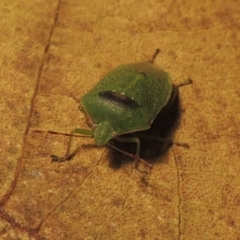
[(123, 104)]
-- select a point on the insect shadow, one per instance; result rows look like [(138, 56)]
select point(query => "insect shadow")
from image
[(151, 150)]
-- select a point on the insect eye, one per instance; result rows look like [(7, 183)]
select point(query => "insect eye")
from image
[(119, 98)]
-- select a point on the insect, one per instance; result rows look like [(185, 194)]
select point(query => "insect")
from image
[(124, 104)]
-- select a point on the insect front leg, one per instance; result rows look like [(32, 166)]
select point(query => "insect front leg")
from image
[(68, 156), (136, 156)]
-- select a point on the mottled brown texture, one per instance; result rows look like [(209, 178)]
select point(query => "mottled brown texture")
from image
[(51, 50)]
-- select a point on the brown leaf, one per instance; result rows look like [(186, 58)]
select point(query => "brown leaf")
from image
[(53, 50)]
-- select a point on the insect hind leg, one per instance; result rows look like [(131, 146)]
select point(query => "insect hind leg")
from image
[(157, 51)]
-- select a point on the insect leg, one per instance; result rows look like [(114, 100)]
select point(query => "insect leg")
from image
[(175, 91), (188, 81), (68, 156), (164, 140), (136, 156), (157, 51)]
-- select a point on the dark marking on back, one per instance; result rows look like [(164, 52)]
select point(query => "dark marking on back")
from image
[(119, 98)]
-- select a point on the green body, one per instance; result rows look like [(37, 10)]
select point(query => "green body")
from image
[(126, 100)]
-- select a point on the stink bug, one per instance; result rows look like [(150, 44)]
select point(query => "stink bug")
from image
[(125, 101)]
